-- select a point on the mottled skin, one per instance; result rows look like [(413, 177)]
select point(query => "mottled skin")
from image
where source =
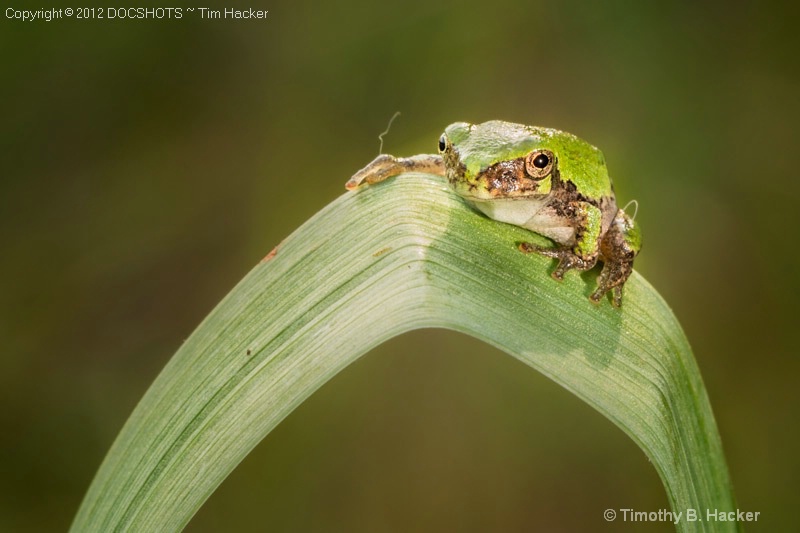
[(545, 180)]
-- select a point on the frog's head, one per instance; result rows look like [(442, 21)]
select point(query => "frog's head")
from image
[(499, 159)]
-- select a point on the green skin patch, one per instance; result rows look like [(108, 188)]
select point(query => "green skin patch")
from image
[(482, 145), (545, 180)]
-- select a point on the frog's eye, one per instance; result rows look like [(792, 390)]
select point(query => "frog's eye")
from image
[(539, 164), (442, 143), (541, 161)]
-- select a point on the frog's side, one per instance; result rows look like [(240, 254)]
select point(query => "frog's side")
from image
[(545, 180)]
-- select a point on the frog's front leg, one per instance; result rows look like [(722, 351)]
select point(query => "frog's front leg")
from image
[(584, 253), (386, 166)]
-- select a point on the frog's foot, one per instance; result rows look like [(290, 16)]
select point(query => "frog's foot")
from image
[(386, 166), (615, 273), (567, 259)]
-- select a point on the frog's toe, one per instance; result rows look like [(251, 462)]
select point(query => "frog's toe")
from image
[(598, 295), (555, 253), (530, 248), (617, 296), (564, 264)]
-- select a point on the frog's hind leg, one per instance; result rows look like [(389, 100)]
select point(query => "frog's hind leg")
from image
[(619, 248), (386, 166)]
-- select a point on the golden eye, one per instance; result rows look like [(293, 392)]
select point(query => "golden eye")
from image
[(539, 164), (442, 143)]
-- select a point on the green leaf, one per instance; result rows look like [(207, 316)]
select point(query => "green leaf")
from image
[(375, 263)]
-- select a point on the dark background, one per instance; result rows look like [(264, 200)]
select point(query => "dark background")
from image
[(147, 165)]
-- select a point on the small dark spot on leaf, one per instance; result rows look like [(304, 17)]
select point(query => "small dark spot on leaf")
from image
[(249, 351)]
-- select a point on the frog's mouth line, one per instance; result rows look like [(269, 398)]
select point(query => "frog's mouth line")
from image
[(524, 196)]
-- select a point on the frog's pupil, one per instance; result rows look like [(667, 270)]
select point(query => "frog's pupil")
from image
[(442, 143), (541, 161)]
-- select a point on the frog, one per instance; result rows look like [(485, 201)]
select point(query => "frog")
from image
[(545, 180)]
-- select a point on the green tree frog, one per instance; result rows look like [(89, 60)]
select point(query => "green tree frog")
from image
[(541, 179)]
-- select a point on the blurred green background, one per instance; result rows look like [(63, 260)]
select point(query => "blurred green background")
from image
[(147, 165)]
